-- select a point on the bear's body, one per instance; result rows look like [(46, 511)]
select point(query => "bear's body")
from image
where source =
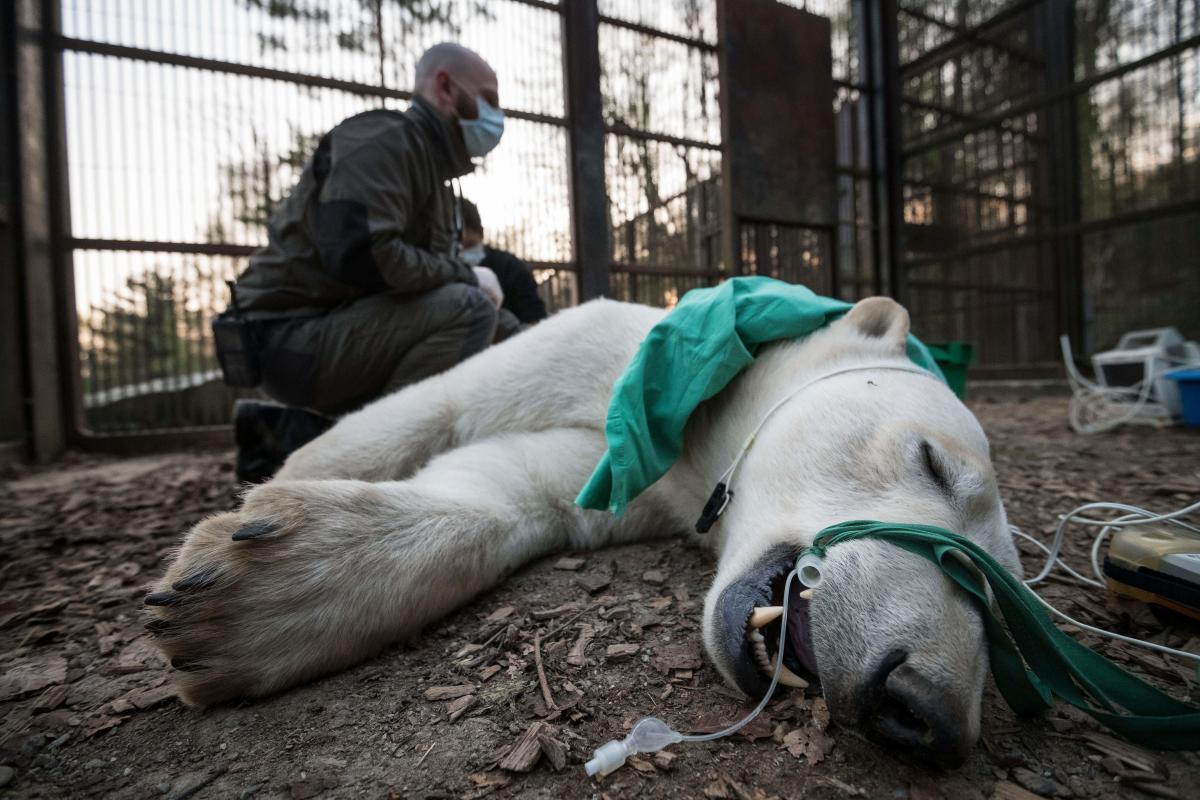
[(411, 506)]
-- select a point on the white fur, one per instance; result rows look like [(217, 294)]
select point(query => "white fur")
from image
[(417, 503)]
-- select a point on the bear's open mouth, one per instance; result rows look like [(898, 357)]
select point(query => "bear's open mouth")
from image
[(746, 626), (762, 635)]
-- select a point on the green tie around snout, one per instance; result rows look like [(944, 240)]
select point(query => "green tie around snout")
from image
[(1031, 659)]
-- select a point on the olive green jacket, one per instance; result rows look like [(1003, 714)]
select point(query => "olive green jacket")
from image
[(372, 212)]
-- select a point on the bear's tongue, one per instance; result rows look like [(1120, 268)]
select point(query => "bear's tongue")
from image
[(800, 631)]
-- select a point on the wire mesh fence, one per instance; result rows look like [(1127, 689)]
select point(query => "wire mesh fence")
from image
[(1045, 138), (1047, 165), (662, 150), (186, 123)]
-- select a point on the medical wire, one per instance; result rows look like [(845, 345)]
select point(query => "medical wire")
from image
[(1133, 516), (727, 476)]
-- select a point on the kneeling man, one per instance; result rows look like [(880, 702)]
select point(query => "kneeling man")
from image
[(361, 289)]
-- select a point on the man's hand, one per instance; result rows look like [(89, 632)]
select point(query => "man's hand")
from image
[(490, 285)]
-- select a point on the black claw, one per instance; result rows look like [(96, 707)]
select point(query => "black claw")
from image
[(162, 599), (200, 579), (254, 530), (186, 664)]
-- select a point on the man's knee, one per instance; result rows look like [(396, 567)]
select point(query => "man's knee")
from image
[(467, 309), (482, 316), (463, 300)]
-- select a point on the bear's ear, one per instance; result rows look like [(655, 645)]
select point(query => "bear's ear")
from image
[(881, 318)]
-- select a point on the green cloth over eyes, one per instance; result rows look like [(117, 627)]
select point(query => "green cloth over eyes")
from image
[(689, 356), (1031, 659)]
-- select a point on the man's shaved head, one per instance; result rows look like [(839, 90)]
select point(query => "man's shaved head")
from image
[(453, 58), (450, 77)]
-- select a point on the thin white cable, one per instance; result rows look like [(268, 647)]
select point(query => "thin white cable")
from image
[(1066, 567), (727, 476), (1133, 516), (650, 734), (1111, 635)]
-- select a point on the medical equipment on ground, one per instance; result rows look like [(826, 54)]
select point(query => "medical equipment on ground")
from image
[(651, 734), (1158, 564), (1131, 382), (1188, 381)]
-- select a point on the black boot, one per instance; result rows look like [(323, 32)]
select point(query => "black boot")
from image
[(267, 433)]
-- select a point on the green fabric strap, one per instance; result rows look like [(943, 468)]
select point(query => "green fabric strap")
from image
[(1031, 659)]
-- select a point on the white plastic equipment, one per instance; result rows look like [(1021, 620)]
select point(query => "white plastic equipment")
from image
[(1131, 383)]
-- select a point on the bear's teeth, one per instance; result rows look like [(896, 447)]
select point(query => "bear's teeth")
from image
[(760, 655), (786, 676), (764, 615), (806, 594), (756, 636)]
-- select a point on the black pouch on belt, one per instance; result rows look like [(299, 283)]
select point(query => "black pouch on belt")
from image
[(236, 339)]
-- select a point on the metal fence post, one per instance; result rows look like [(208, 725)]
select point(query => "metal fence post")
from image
[(59, 197), (890, 140), (14, 429), (869, 56), (37, 246), (731, 230), (585, 136), (1058, 25)]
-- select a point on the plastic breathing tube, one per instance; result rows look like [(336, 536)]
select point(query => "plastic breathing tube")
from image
[(651, 734)]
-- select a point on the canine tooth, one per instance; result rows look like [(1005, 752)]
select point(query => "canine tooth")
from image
[(789, 678), (806, 594), (786, 676), (765, 615)]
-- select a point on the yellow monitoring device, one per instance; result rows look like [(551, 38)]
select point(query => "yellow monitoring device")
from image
[(1157, 564)]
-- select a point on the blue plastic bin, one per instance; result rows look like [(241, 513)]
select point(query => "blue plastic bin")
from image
[(1189, 394)]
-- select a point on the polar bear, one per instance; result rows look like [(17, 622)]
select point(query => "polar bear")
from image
[(410, 507)]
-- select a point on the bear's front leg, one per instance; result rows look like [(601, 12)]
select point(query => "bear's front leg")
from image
[(312, 576)]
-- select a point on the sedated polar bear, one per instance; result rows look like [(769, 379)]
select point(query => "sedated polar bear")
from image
[(408, 508)]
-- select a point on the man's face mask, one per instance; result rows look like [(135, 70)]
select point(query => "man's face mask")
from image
[(472, 255), (482, 134)]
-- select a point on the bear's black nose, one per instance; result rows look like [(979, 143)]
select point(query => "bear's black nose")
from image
[(909, 710)]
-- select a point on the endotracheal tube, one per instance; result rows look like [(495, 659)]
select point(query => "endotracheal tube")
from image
[(651, 734)]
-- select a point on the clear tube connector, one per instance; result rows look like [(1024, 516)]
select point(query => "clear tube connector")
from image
[(808, 569), (649, 735)]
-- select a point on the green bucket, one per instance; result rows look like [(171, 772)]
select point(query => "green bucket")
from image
[(954, 358)]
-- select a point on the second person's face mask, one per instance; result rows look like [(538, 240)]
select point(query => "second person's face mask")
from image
[(473, 255), (482, 134)]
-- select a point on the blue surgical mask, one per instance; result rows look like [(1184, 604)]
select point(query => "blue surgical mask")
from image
[(473, 255), (482, 134)]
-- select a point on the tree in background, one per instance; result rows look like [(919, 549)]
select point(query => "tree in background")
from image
[(251, 190), (356, 35), (1137, 275), (152, 328), (657, 226)]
